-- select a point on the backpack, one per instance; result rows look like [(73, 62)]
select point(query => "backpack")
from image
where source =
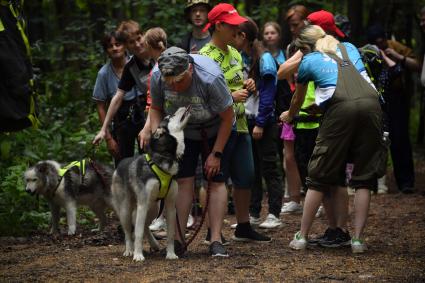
[(17, 99)]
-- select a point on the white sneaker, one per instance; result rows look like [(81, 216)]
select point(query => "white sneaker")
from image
[(158, 224), (271, 222), (299, 242), (382, 187), (358, 246), (291, 208), (190, 221), (320, 212), (351, 191), (254, 221), (233, 226)]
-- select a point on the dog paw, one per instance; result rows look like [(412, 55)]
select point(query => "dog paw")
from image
[(138, 257), (171, 256), (127, 253)]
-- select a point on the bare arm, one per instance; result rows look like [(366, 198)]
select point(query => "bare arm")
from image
[(290, 66), (112, 110), (111, 144), (212, 164), (296, 103)]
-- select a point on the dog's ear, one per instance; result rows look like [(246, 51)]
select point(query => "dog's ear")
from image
[(42, 167)]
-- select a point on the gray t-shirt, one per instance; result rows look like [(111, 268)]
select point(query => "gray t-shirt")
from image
[(196, 44), (208, 94), (107, 83)]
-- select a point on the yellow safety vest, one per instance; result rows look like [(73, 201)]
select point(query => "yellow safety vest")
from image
[(163, 177)]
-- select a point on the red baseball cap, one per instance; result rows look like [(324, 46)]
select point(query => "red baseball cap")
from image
[(326, 21), (224, 13)]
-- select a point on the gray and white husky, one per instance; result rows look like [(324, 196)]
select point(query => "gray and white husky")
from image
[(135, 186), (93, 189)]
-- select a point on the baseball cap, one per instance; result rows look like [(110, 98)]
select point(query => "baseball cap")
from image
[(326, 21), (173, 61), (224, 13)]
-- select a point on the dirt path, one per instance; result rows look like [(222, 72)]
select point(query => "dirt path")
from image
[(395, 235)]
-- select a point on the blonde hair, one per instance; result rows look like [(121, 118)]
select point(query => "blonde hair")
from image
[(156, 38), (127, 29), (313, 38)]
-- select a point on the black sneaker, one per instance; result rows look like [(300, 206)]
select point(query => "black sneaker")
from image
[(218, 250), (245, 233), (207, 240), (329, 234), (179, 249), (338, 239)]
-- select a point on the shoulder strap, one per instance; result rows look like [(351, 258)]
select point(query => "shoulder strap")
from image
[(137, 75), (343, 52)]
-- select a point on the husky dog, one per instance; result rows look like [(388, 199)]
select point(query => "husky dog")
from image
[(136, 186), (87, 185)]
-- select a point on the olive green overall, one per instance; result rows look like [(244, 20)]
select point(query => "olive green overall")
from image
[(351, 131)]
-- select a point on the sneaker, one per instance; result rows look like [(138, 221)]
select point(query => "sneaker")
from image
[(329, 234), (337, 239), (299, 242), (351, 191), (254, 221), (207, 240), (158, 224), (271, 222), (245, 233), (179, 248), (233, 226), (218, 250), (190, 221), (320, 212), (291, 207), (382, 187), (358, 246)]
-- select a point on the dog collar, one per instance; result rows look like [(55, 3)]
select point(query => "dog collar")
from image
[(163, 177)]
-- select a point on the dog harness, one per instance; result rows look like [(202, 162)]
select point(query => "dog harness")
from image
[(163, 177), (80, 164)]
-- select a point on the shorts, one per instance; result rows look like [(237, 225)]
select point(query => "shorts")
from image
[(240, 161), (189, 162), (287, 132)]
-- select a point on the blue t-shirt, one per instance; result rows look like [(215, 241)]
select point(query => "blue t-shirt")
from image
[(208, 94), (280, 58), (107, 84), (323, 71)]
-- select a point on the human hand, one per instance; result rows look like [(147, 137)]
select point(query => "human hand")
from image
[(212, 166), (249, 84), (257, 133), (240, 95), (144, 137), (285, 117), (99, 137), (394, 54)]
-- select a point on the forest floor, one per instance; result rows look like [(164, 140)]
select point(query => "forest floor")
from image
[(395, 235)]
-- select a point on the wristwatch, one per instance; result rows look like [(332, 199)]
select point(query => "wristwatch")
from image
[(218, 154)]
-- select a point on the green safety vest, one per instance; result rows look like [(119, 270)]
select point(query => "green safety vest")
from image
[(310, 99), (163, 177)]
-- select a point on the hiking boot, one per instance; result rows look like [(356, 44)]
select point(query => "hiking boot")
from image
[(218, 250), (207, 240), (329, 234), (158, 224), (337, 239), (358, 246), (179, 248), (245, 233), (299, 242), (271, 222), (291, 207), (254, 221)]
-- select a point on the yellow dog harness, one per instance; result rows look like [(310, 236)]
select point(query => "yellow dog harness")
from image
[(163, 177)]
